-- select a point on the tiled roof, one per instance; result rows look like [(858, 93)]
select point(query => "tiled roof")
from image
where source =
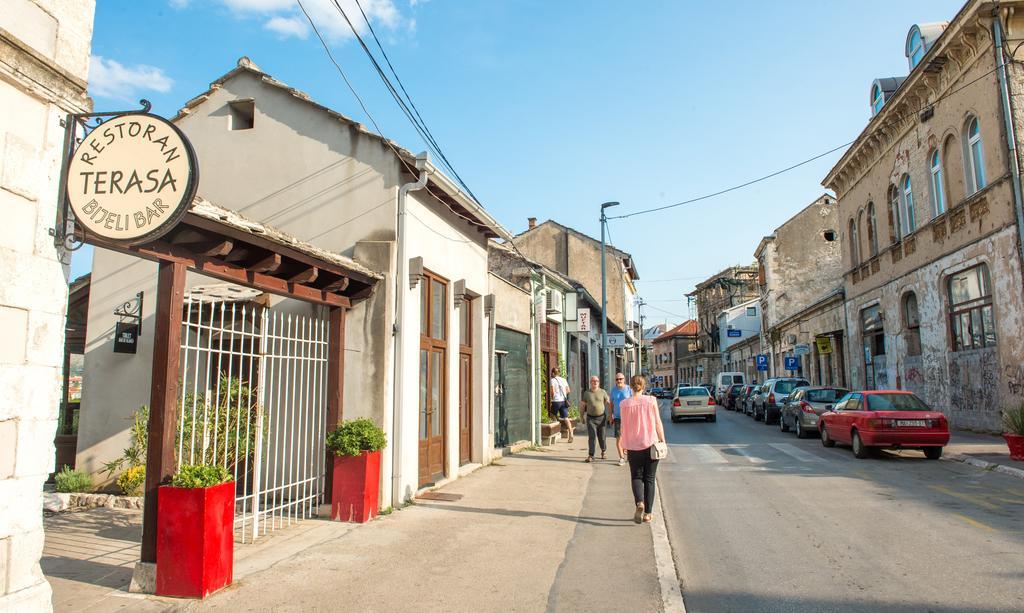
[(687, 328)]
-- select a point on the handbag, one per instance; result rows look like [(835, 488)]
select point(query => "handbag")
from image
[(659, 450)]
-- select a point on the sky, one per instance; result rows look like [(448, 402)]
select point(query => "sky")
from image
[(547, 109)]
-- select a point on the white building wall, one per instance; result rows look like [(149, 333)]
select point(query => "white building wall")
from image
[(737, 318), (44, 59)]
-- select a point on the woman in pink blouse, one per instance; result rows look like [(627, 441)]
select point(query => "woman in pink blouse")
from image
[(641, 428)]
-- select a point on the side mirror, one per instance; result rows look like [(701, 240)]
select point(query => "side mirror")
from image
[(828, 407)]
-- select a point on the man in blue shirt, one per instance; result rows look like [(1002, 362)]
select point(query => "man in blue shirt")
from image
[(620, 391)]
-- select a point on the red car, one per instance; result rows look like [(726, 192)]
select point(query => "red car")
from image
[(884, 418)]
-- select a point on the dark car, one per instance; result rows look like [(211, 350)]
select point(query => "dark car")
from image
[(732, 396), (661, 392), (805, 405), (745, 396), (768, 402)]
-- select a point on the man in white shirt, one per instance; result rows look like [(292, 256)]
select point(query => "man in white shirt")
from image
[(560, 399)]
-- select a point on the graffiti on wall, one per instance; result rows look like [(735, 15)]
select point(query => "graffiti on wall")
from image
[(1014, 375), (974, 384)]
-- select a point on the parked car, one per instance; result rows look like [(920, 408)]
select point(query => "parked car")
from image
[(693, 402), (724, 381), (768, 402), (805, 405), (661, 392), (732, 396), (748, 401), (868, 420)]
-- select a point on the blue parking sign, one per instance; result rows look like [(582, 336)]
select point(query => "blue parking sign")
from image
[(792, 363), (762, 361)]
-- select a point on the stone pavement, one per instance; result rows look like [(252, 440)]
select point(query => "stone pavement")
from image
[(536, 531), (986, 451)]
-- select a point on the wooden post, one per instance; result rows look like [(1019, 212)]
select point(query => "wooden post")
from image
[(163, 398), (335, 386)]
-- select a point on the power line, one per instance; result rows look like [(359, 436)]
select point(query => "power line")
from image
[(804, 162), (666, 312)]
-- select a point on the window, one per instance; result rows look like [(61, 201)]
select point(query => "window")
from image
[(915, 48), (240, 114), (896, 402), (860, 233), (877, 99), (895, 227), (912, 324), (908, 217), (938, 189), (854, 244), (872, 229), (751, 311), (970, 309), (974, 163)]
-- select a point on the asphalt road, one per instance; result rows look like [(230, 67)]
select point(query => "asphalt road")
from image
[(762, 521)]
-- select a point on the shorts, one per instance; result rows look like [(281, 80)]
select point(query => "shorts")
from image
[(617, 423), (561, 409)]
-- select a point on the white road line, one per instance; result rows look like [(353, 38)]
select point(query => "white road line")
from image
[(796, 452), (744, 451), (668, 576), (706, 454)]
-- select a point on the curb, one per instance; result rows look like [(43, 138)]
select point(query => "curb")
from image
[(999, 468), (668, 574)]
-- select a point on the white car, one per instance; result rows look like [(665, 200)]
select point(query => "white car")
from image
[(693, 402)]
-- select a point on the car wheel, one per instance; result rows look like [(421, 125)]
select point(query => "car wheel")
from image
[(932, 453), (675, 419), (800, 429), (860, 450), (826, 440), (757, 414), (712, 418), (783, 426)]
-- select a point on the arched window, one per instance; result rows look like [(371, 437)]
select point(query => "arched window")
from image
[(974, 161), (912, 324), (854, 244), (860, 233), (909, 219), (872, 229), (895, 228), (938, 189), (970, 309), (877, 99), (915, 48)]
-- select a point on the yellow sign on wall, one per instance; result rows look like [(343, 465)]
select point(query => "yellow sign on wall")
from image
[(824, 344)]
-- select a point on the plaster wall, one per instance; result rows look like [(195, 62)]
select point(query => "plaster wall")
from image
[(739, 318), (44, 58), (512, 304)]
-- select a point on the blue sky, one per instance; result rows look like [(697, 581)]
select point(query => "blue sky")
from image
[(547, 108)]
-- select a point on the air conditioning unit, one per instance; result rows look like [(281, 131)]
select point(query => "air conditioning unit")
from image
[(554, 302)]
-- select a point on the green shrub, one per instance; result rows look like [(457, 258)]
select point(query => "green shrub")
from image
[(71, 481), (132, 480), (220, 425), (1013, 420), (356, 436), (200, 475), (135, 454)]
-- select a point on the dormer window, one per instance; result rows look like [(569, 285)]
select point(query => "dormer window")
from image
[(882, 90), (915, 48), (920, 39), (877, 99)]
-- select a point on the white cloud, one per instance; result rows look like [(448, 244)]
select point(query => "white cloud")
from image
[(112, 79), (287, 26)]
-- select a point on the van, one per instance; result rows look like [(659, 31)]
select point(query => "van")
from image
[(724, 381)]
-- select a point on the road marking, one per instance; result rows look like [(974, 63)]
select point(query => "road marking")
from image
[(668, 575), (968, 497), (706, 454), (740, 469), (975, 523), (796, 452), (744, 451)]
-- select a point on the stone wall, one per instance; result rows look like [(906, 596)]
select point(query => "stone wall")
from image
[(44, 56)]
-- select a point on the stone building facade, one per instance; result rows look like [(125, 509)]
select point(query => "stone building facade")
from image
[(731, 287), (930, 202), (44, 63)]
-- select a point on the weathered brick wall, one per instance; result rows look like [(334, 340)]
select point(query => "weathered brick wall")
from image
[(44, 55)]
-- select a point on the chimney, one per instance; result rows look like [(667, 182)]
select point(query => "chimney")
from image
[(531, 222)]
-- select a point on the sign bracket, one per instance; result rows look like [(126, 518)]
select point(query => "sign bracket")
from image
[(132, 310)]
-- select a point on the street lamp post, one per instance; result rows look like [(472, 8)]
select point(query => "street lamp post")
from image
[(604, 301)]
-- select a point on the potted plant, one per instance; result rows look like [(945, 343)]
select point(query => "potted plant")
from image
[(1013, 431), (355, 485), (194, 540)]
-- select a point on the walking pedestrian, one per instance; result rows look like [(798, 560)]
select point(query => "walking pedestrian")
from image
[(560, 399), (596, 405), (620, 391), (640, 431)]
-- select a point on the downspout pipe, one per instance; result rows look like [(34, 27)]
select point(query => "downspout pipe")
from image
[(1011, 136), (401, 277)]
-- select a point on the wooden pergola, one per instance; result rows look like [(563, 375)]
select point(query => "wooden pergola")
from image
[(222, 244)]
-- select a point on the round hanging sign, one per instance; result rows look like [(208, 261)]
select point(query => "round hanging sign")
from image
[(132, 178)]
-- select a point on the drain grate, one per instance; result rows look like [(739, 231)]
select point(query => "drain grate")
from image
[(439, 496)]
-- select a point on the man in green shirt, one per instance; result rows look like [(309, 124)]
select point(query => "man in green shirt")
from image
[(595, 406)]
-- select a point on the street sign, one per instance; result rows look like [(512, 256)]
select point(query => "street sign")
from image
[(792, 363), (762, 361), (824, 344), (802, 349), (615, 341), (734, 333), (583, 320)]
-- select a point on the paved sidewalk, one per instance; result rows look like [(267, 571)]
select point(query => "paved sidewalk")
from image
[(986, 451)]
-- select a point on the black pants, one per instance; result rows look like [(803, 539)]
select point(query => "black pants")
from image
[(643, 469), (595, 429)]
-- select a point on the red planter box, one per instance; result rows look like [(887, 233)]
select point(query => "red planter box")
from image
[(355, 490), (194, 541), (1016, 444)]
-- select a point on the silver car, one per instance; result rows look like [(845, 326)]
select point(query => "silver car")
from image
[(804, 406)]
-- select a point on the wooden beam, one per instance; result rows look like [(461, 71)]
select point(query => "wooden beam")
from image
[(306, 276), (339, 285), (163, 396), (211, 248), (335, 385), (268, 264)]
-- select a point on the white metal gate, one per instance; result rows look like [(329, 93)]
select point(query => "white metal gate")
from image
[(254, 396)]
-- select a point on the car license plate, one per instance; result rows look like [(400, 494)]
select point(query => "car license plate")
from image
[(911, 423), (692, 403)]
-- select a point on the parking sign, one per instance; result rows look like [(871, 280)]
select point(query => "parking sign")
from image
[(762, 361), (792, 363)]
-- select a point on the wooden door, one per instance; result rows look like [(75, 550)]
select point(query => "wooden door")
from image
[(465, 404), (433, 378)]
